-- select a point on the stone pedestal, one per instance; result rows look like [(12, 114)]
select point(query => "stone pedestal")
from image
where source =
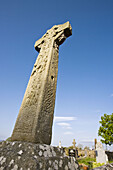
[(29, 156)]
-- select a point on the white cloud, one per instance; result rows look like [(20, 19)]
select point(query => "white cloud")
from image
[(111, 95), (59, 119), (68, 133), (64, 125)]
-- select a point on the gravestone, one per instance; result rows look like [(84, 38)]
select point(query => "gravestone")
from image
[(75, 149), (60, 146), (72, 152), (95, 142), (86, 153), (35, 118), (101, 157), (74, 144)]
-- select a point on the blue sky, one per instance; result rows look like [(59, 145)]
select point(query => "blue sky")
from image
[(85, 75)]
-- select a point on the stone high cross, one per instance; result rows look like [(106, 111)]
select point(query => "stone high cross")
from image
[(74, 144), (35, 119)]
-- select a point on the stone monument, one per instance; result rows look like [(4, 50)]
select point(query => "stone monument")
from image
[(101, 157), (95, 142), (28, 149), (35, 118), (74, 143), (85, 151)]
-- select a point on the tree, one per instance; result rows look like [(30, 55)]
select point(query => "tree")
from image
[(106, 129)]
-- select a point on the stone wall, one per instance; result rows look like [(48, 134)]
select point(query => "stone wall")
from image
[(29, 156)]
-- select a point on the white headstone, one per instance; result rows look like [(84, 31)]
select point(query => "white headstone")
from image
[(101, 157), (60, 144)]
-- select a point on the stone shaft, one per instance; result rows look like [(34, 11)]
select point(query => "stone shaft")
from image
[(34, 122)]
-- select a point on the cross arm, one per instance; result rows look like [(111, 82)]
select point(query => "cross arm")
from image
[(58, 32)]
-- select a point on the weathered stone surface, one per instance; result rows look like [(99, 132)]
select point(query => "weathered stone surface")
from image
[(34, 122), (28, 156)]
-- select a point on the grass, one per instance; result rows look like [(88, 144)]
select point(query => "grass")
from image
[(86, 160), (90, 162)]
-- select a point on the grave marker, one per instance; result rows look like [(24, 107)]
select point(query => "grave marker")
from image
[(101, 157), (35, 118)]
